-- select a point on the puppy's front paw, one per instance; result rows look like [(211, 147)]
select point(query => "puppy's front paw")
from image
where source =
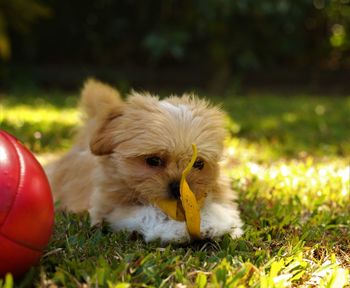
[(167, 230), (219, 219), (236, 232)]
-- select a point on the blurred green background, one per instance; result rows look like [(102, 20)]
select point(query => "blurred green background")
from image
[(214, 45)]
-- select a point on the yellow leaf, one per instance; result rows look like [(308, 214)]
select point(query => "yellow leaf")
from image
[(168, 206), (192, 210), (188, 207), (189, 201)]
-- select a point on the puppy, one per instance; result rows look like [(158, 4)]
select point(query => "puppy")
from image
[(130, 154)]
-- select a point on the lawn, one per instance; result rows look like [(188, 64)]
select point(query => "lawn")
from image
[(288, 158)]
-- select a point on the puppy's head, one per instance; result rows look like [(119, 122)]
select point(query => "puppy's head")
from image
[(147, 144)]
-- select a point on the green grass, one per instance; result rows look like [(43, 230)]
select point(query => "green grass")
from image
[(288, 159)]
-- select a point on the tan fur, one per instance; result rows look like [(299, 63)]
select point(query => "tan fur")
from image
[(107, 166)]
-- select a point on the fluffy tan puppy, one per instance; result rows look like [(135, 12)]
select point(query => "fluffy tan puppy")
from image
[(130, 154)]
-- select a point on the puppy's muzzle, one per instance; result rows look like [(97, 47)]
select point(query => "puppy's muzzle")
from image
[(174, 189)]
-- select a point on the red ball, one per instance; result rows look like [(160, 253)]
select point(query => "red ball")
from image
[(26, 207)]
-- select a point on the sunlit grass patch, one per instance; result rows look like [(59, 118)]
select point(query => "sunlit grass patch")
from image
[(294, 205), (280, 271), (313, 181), (21, 114), (38, 123)]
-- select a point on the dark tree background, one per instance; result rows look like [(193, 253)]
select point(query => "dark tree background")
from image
[(213, 44)]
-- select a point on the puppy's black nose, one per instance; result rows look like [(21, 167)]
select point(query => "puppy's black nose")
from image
[(174, 189)]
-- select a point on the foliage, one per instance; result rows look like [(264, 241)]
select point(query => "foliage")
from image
[(239, 35), (17, 15), (293, 196)]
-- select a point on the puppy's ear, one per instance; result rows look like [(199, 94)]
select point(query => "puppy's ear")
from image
[(103, 140)]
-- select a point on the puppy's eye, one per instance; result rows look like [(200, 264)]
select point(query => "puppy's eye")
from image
[(154, 161), (199, 164)]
